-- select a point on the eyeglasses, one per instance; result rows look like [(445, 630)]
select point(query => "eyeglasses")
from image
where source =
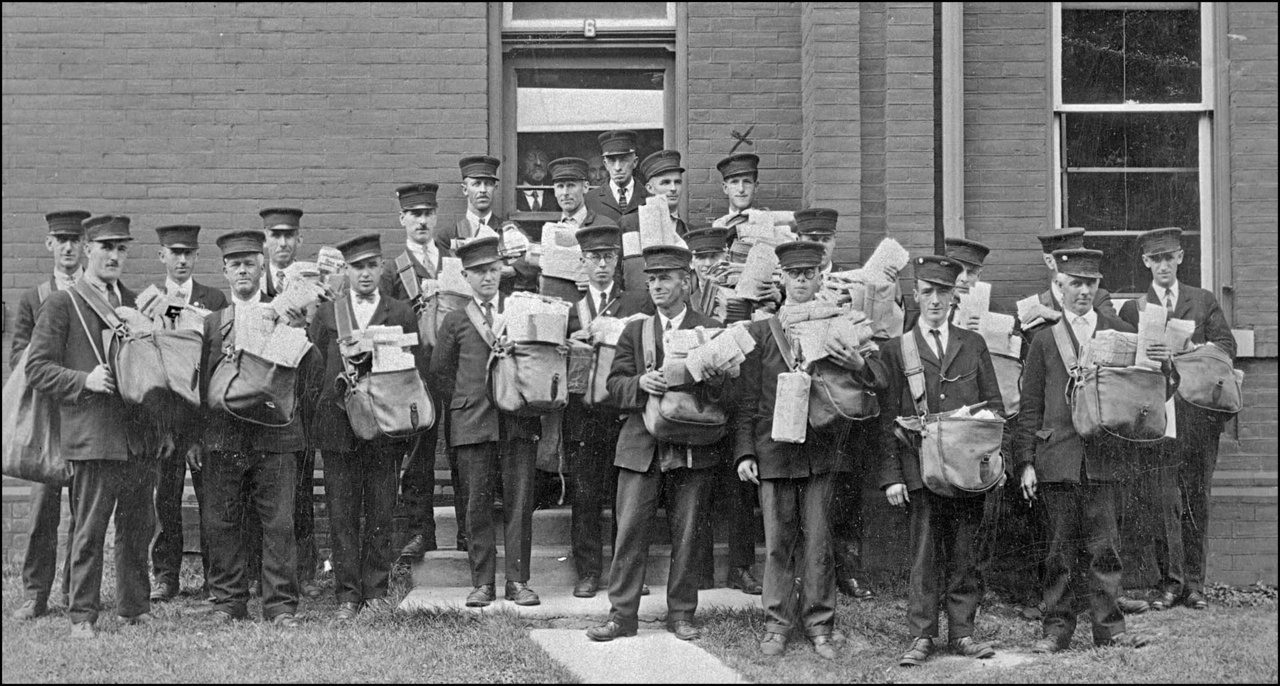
[(599, 256), (809, 273)]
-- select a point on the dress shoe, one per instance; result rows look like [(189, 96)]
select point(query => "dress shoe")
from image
[(519, 593), (741, 578), (1125, 639), (462, 542), (83, 630), (481, 596), (286, 620), (967, 646), (684, 629), (774, 644), (1165, 601), (1196, 601), (138, 620), (346, 611), (1130, 606), (163, 592), (586, 587), (849, 586), (417, 546), (30, 610), (310, 589), (1048, 644), (825, 646), (221, 617), (609, 631), (920, 650), (644, 589)]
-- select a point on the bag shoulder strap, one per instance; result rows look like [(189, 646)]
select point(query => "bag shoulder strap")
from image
[(98, 304), (784, 345), (88, 334), (1066, 350), (477, 320), (43, 291), (226, 326), (649, 331), (344, 314), (408, 277), (584, 311), (915, 373)]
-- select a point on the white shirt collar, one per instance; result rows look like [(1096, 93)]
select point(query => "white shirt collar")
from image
[(578, 217), (675, 321), (475, 218), (65, 281), (171, 287), (424, 253), (103, 287), (364, 310), (1084, 331), (1160, 292), (631, 190), (944, 332), (257, 298), (596, 293)]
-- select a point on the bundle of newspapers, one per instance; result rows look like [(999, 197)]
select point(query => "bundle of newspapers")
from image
[(390, 348), (689, 355), (606, 330), (873, 289), (261, 330), (561, 257), (156, 310), (818, 326), (533, 317)]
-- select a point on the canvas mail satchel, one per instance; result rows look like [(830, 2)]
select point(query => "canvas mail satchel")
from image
[(1124, 402), (597, 393), (526, 378), (426, 308), (1209, 381), (836, 398), (680, 415), (32, 445), (959, 455), (249, 387), (388, 403)]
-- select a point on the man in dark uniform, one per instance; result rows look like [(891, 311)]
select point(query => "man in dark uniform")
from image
[(491, 444), (569, 178), (248, 466), (1051, 300), (740, 176), (1187, 464), (665, 177), (40, 564), (651, 470), (106, 441), (360, 475), (1075, 478), (420, 260), (795, 480), (178, 248), (622, 195), (957, 372), (591, 436), (479, 186)]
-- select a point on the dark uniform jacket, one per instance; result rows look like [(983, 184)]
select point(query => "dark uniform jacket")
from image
[(390, 285), (1046, 437), (756, 390), (601, 201), (202, 296), (583, 423), (331, 429), (182, 419), (637, 448), (460, 372), (94, 426), (964, 376), (25, 320), (462, 229), (224, 433)]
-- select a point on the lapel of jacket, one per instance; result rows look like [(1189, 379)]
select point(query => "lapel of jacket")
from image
[(379, 315), (589, 219), (420, 269), (925, 347), (608, 200), (463, 228), (1182, 308), (953, 348)]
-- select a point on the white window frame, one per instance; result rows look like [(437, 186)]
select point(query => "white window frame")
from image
[(1205, 107), (509, 23)]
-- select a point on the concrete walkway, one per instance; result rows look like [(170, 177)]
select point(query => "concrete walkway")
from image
[(559, 602), (650, 657)]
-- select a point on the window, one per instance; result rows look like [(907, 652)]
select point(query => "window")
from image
[(571, 16), (1133, 117)]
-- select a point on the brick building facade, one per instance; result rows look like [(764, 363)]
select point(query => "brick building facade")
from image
[(914, 120)]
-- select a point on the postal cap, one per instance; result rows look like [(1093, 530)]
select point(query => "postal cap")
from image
[(739, 164), (709, 240), (602, 236), (1160, 241), (107, 227), (241, 242), (660, 162), (937, 269), (1064, 239), (568, 169), (799, 254), (67, 222), (1080, 262), (180, 236), (281, 219), (817, 221), (417, 196), (360, 248), (971, 253), (479, 167), (618, 142), (478, 252), (659, 258)]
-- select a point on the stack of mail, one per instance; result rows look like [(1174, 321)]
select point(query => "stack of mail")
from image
[(767, 226), (974, 303), (1032, 313), (724, 352), (997, 331), (166, 312), (452, 279), (300, 295), (258, 330), (390, 347), (1110, 348), (533, 317), (561, 256), (657, 226), (888, 257), (606, 330), (813, 337), (1155, 326), (757, 271)]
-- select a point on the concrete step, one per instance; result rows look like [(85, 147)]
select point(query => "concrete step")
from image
[(553, 566)]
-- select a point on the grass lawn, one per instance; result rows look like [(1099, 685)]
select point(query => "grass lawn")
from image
[(181, 646)]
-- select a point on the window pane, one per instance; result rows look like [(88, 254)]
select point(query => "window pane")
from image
[(655, 12), (1133, 201), (1117, 56), (1122, 268), (1133, 140)]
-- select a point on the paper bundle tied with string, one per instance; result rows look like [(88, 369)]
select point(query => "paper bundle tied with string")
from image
[(168, 312), (606, 330), (997, 331), (725, 352), (657, 226), (561, 256), (757, 271), (974, 303), (1110, 348), (791, 411), (261, 331), (452, 279), (1151, 326), (533, 317)]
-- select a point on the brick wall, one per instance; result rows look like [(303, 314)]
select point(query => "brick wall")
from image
[(744, 70), (909, 124)]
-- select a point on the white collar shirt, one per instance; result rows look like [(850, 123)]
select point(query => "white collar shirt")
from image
[(105, 289), (595, 294), (1083, 325), (631, 190), (475, 220), (944, 334), (254, 300), (427, 255), (1164, 294), (65, 281), (364, 308), (672, 323), (577, 218), (173, 288)]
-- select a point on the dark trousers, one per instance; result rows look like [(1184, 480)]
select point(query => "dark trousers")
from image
[(265, 484), (1083, 570), (797, 532), (418, 487), (304, 516), (40, 564), (481, 465), (684, 494), (1149, 512), (859, 448), (166, 551), (596, 482), (733, 505), (361, 484), (99, 488), (1195, 457), (944, 538)]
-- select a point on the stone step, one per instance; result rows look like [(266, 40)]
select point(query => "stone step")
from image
[(553, 566)]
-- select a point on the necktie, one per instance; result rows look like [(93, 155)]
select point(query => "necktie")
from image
[(484, 221), (180, 295), (535, 200), (488, 314), (622, 196), (112, 298), (1168, 299), (365, 298), (937, 342), (604, 303), (668, 327)]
